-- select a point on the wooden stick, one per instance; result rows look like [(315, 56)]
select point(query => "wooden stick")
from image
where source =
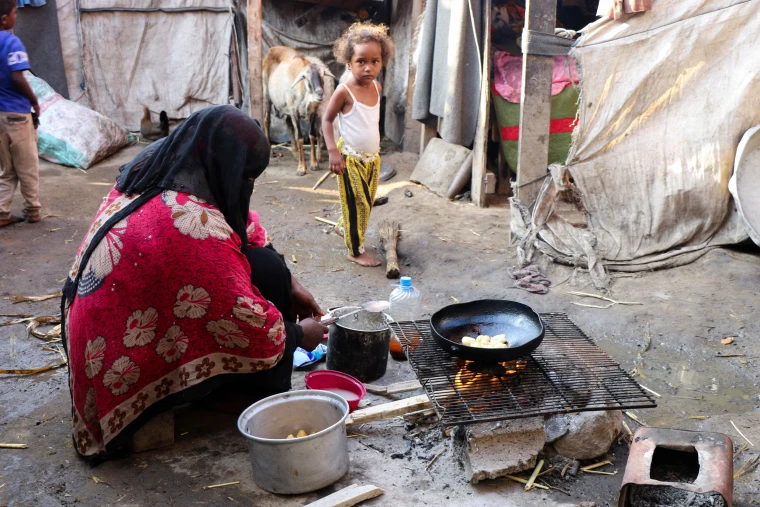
[(398, 387), (646, 388), (388, 232), (221, 485), (743, 448), (742, 434), (556, 488), (633, 416), (33, 299), (325, 221), (749, 465), (349, 496), (14, 446), (596, 465), (31, 371), (435, 458), (545, 472), (523, 481), (419, 414), (321, 180), (600, 472), (388, 410), (534, 475)]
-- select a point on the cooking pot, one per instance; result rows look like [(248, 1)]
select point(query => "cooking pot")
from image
[(298, 465), (359, 344)]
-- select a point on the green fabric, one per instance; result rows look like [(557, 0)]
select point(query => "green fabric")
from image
[(61, 151), (564, 105)]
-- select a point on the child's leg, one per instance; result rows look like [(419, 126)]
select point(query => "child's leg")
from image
[(356, 191), (23, 139), (8, 179)]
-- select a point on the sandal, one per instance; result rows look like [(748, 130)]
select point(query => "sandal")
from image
[(33, 217), (12, 219)]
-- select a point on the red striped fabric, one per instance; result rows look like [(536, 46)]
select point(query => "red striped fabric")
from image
[(558, 126)]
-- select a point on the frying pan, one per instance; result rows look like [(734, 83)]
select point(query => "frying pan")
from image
[(521, 325)]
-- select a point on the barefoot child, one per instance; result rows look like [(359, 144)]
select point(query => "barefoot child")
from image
[(364, 48), (18, 140)]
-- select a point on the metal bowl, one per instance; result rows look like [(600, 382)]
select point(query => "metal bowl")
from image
[(300, 465)]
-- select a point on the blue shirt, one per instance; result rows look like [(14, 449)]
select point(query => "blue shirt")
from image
[(13, 57)]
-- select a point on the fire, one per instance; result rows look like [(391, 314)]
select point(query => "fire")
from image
[(473, 376)]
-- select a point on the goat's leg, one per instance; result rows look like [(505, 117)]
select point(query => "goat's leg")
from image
[(267, 106), (314, 139), (293, 136), (321, 143), (298, 144)]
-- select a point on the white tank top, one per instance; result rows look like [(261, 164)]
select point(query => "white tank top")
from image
[(360, 127)]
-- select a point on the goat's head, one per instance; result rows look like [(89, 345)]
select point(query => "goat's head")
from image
[(313, 76)]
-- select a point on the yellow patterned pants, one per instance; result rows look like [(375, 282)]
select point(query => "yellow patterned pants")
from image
[(357, 186)]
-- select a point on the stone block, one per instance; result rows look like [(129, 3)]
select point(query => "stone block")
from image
[(438, 165), (156, 433), (584, 435), (491, 450)]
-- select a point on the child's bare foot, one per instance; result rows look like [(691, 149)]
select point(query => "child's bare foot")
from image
[(364, 259), (338, 231), (12, 219)]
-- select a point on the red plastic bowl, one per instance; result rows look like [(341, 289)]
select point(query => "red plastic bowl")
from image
[(339, 383)]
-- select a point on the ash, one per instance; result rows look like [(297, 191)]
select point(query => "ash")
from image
[(668, 496)]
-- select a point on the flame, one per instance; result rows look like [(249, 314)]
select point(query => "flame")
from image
[(469, 378)]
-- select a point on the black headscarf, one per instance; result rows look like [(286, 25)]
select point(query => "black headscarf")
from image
[(211, 155)]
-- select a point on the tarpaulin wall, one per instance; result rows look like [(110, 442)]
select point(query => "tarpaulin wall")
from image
[(666, 97), (172, 55)]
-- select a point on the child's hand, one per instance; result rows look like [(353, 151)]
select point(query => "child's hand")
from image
[(337, 165)]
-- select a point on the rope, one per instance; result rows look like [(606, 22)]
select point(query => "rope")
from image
[(475, 36)]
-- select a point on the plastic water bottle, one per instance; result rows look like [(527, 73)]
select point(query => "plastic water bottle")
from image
[(406, 301)]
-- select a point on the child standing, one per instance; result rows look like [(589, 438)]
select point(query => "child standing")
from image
[(18, 139), (355, 158)]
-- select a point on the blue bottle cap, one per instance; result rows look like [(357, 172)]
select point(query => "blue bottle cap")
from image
[(406, 281)]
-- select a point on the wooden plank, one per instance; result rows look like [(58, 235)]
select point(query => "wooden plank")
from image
[(412, 133), (388, 410), (480, 148), (535, 105), (427, 133), (398, 387), (255, 58), (348, 496)]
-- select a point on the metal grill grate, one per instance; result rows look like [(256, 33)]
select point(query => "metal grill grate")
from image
[(567, 373)]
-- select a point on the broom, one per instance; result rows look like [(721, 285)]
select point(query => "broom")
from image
[(388, 232)]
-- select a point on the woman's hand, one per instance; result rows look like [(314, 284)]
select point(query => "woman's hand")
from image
[(337, 164), (304, 304), (313, 333)]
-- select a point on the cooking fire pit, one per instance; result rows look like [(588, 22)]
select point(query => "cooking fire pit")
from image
[(566, 373)]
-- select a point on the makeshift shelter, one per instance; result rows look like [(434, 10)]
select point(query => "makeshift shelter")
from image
[(666, 96), (174, 55)]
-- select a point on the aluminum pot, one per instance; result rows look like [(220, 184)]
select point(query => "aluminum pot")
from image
[(294, 466), (359, 344)]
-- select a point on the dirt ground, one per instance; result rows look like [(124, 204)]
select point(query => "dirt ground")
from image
[(453, 250)]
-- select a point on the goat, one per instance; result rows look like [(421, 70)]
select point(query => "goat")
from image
[(329, 89), (294, 88)]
